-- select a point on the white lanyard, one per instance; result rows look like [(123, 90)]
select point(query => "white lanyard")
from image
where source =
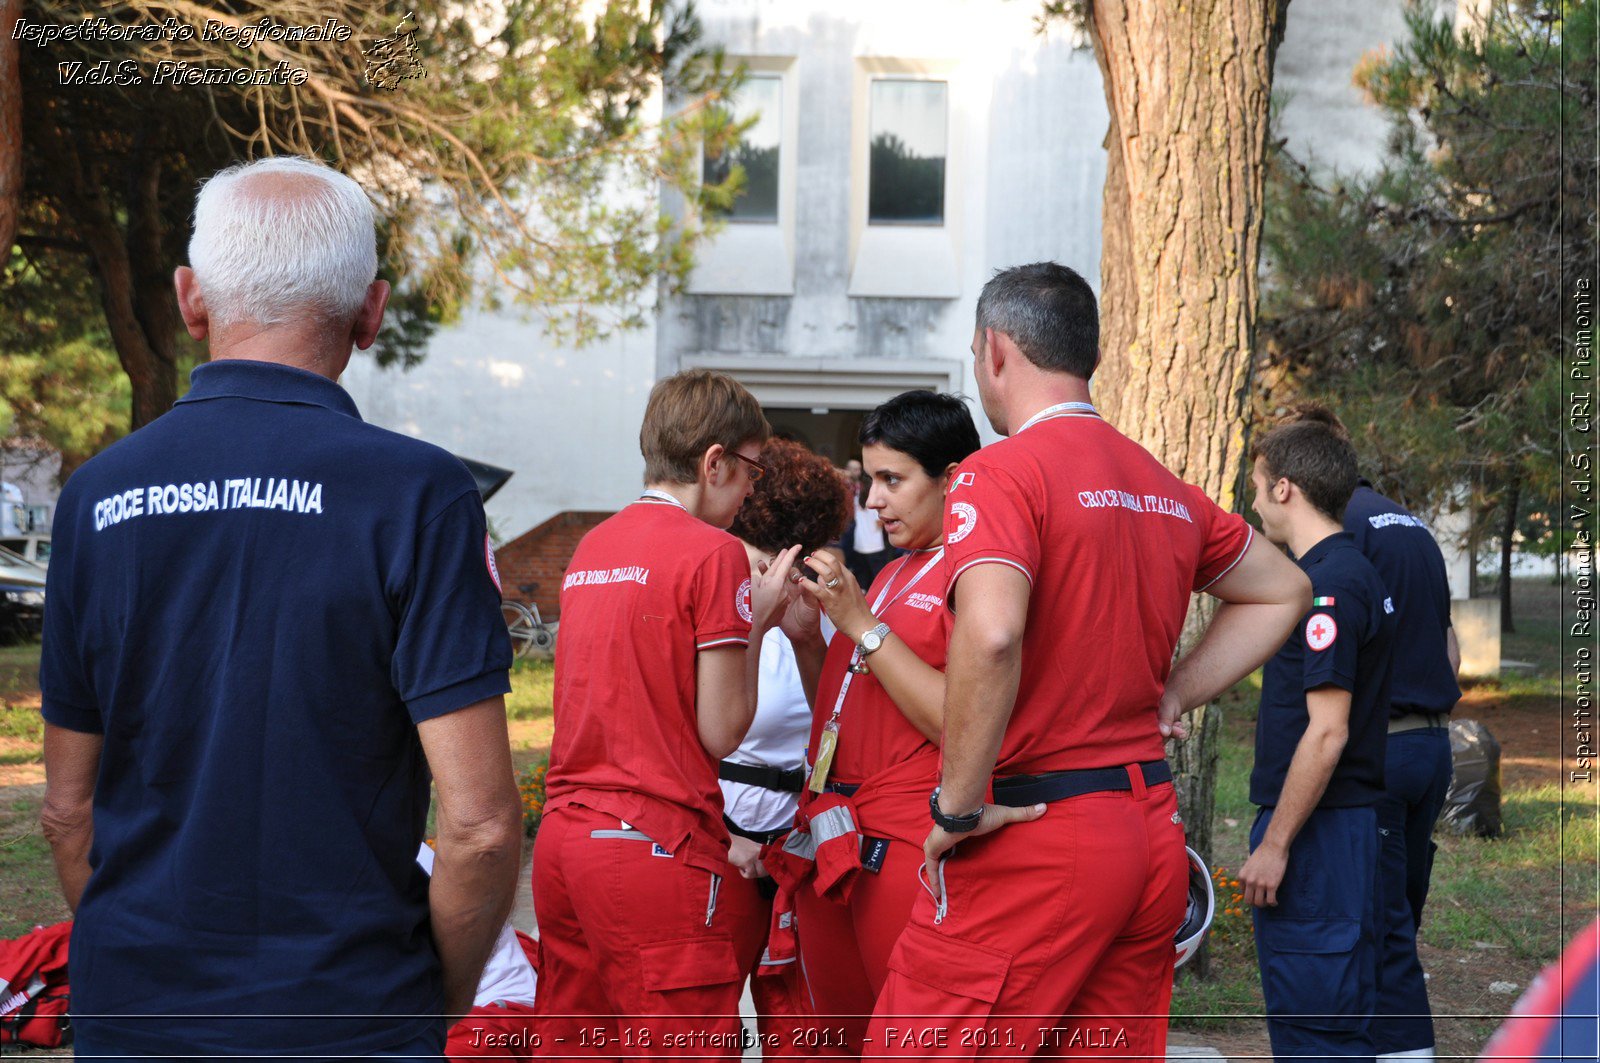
[(655, 496), (1059, 408), (855, 656)]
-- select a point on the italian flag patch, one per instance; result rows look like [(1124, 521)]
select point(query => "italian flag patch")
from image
[(1318, 603)]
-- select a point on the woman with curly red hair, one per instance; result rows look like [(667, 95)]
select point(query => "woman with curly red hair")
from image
[(800, 499)]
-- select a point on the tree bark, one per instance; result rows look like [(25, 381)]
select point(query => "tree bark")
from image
[(1188, 84), (10, 126), (1508, 531)]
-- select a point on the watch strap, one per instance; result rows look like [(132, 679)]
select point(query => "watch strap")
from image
[(967, 821), (882, 631)]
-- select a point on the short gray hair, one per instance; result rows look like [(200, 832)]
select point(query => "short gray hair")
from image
[(1049, 312), (280, 236)]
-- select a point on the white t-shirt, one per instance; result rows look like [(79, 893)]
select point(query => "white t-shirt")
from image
[(508, 977), (777, 739), (869, 533)]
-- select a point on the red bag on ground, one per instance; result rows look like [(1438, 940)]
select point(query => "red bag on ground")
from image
[(33, 988)]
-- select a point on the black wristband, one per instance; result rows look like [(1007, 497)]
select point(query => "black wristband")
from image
[(954, 824)]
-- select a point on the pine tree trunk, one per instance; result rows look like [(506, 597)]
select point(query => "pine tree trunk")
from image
[(1508, 531), (126, 259), (1188, 83)]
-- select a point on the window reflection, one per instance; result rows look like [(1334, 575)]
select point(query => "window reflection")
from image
[(757, 150), (908, 131)]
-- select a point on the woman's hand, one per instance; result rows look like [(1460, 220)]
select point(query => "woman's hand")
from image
[(770, 591), (802, 620), (839, 595)]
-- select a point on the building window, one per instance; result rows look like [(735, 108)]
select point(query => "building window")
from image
[(909, 132), (761, 98)]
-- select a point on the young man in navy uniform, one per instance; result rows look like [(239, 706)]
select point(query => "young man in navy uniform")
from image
[(1319, 759), (268, 622), (1417, 767)]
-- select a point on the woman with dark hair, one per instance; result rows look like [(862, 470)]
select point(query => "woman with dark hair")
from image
[(880, 707), (799, 499)]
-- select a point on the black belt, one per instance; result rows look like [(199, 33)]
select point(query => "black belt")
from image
[(1018, 791), (848, 789), (786, 782), (761, 837)]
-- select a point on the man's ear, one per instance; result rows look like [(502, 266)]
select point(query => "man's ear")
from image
[(191, 304), (364, 332), (999, 347)]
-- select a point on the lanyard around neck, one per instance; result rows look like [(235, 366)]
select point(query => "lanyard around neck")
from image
[(657, 497), (1059, 408)]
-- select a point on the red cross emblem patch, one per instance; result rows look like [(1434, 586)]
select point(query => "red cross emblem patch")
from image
[(1321, 631)]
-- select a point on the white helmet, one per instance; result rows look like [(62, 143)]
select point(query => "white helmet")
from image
[(1202, 907)]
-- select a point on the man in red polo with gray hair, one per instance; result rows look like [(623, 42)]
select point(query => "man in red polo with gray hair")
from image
[(1072, 555)]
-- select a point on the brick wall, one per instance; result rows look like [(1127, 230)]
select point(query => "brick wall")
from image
[(540, 556)]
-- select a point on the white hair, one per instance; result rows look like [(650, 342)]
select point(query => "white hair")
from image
[(280, 237)]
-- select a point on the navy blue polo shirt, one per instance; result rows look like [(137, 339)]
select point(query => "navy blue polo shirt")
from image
[(255, 600), (1411, 565), (1346, 640)]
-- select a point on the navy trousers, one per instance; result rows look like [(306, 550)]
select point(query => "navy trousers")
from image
[(1317, 948), (1416, 777)]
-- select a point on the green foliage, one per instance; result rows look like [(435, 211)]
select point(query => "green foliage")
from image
[(1424, 301), (60, 384), (522, 167)]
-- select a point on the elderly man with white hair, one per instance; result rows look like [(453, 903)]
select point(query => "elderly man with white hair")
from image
[(267, 621)]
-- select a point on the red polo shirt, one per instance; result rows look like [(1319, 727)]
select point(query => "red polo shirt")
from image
[(1113, 545), (646, 591)]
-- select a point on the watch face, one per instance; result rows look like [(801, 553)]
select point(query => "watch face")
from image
[(871, 641)]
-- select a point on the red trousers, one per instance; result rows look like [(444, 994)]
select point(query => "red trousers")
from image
[(846, 947), (636, 955), (498, 1031), (1056, 938), (782, 1016)]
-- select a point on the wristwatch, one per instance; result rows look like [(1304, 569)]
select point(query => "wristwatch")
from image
[(872, 640), (954, 824)]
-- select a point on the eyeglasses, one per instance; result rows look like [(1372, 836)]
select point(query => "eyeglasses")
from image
[(755, 469)]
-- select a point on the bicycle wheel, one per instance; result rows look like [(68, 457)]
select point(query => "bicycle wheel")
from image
[(522, 628)]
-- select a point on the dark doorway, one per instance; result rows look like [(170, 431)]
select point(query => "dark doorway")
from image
[(831, 433)]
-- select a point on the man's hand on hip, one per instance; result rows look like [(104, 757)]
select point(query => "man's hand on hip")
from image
[(941, 841)]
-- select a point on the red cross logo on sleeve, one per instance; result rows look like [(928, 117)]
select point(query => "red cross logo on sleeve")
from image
[(1321, 631)]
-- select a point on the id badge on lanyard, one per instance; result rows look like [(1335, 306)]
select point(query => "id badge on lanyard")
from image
[(828, 742)]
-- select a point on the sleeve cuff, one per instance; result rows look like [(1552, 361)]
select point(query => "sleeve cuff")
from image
[(718, 639), (459, 695), (992, 557), (1332, 679), (1248, 539), (86, 721)]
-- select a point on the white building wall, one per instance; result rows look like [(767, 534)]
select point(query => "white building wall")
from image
[(496, 389), (1024, 169), (1328, 121)]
